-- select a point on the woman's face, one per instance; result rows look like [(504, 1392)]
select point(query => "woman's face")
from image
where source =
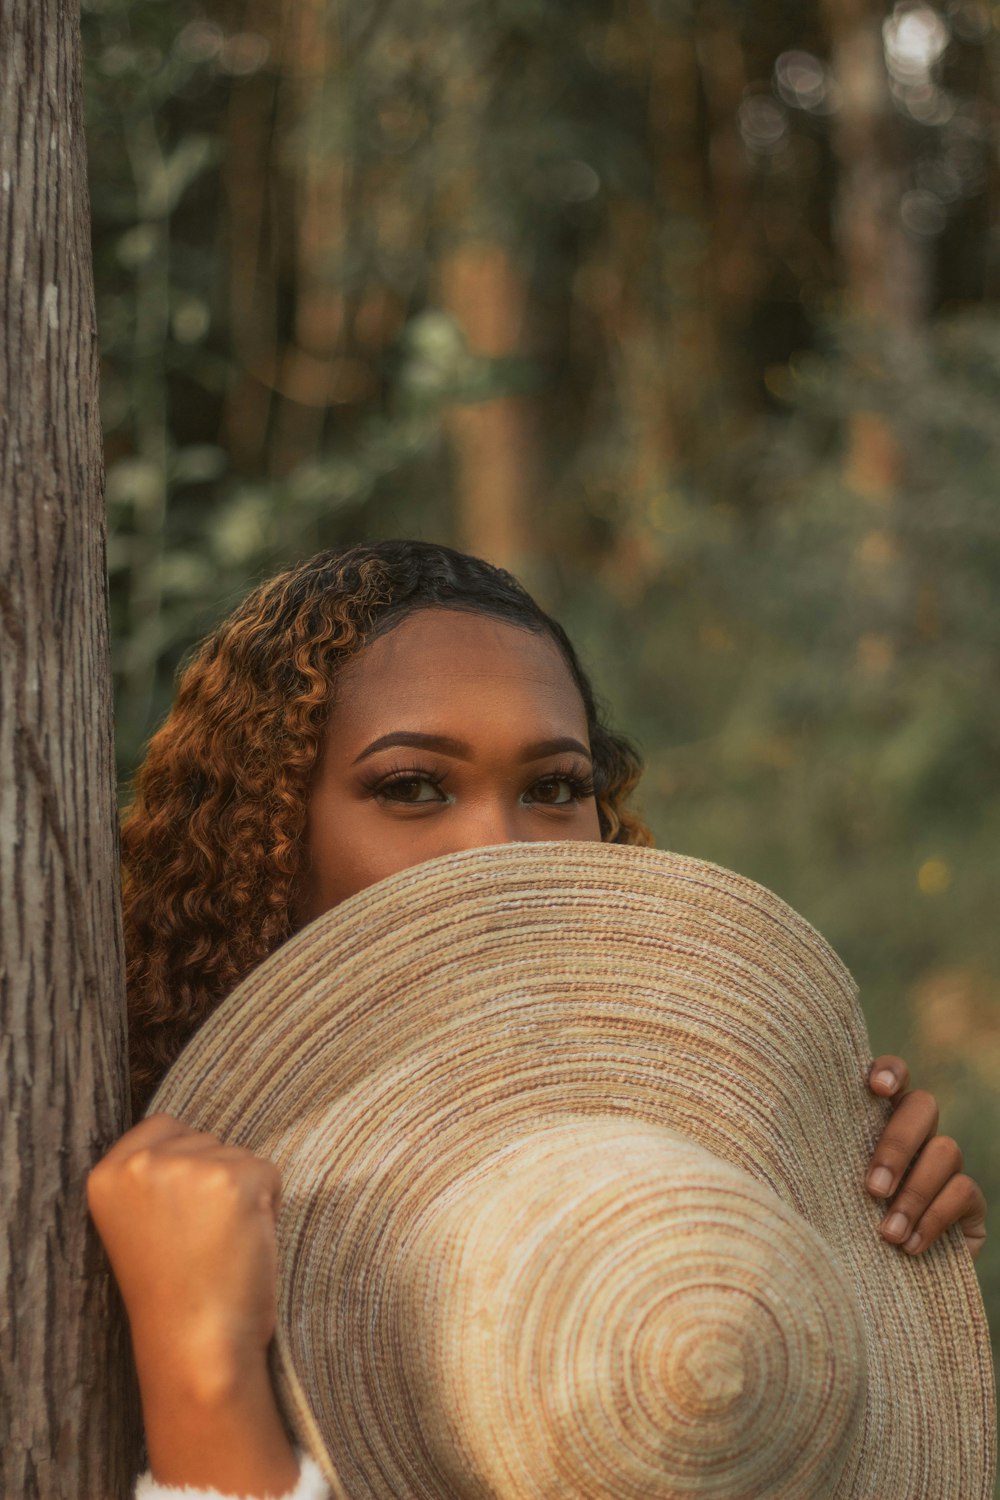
[(452, 731)]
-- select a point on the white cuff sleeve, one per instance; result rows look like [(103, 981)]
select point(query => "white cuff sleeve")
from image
[(311, 1486)]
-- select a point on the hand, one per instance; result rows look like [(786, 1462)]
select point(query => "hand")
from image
[(188, 1224), (935, 1192)]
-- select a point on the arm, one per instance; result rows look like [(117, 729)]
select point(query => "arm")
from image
[(919, 1171), (188, 1224)]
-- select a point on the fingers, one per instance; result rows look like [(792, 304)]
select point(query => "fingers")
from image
[(888, 1076), (973, 1220), (162, 1144), (938, 1163), (148, 1132), (134, 1144), (960, 1202), (914, 1121)]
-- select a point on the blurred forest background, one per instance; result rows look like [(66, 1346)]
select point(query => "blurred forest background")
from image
[(687, 312)]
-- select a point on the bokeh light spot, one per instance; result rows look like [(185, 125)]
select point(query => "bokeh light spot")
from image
[(935, 876)]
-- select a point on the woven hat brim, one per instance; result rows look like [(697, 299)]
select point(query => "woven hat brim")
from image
[(523, 981)]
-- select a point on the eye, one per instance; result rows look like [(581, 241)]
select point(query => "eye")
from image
[(411, 788), (561, 789)]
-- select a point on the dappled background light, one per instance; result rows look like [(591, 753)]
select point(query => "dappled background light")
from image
[(686, 313)]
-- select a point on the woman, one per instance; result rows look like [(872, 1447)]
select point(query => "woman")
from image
[(361, 713)]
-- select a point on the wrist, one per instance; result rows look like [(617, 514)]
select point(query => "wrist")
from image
[(216, 1425), (209, 1377), (205, 1368)]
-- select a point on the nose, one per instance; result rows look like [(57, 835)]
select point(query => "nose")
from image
[(491, 822)]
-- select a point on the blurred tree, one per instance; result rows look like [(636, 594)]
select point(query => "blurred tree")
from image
[(885, 270)]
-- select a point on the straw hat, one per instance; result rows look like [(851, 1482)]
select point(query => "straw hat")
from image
[(572, 1140)]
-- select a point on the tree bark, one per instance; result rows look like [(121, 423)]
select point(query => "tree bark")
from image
[(68, 1425)]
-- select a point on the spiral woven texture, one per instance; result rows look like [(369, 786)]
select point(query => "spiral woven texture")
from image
[(395, 1045), (648, 1320)]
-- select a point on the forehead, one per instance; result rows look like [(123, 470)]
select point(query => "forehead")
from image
[(454, 660)]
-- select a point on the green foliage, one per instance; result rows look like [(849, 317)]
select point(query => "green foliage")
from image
[(811, 676)]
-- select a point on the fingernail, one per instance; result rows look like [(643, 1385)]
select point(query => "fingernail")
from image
[(885, 1079), (913, 1242), (895, 1226), (880, 1181)]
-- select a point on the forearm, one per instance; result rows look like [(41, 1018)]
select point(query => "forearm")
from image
[(217, 1429)]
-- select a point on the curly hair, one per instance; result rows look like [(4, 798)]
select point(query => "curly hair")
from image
[(212, 843)]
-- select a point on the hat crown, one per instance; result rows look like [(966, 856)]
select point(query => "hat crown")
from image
[(647, 1319)]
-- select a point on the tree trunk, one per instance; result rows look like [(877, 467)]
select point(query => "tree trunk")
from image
[(68, 1423), (308, 367), (493, 442), (481, 281), (885, 271)]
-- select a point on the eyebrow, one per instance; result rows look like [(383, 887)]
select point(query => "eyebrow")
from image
[(461, 751)]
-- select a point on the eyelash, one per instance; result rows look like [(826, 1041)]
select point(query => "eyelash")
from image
[(581, 787)]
